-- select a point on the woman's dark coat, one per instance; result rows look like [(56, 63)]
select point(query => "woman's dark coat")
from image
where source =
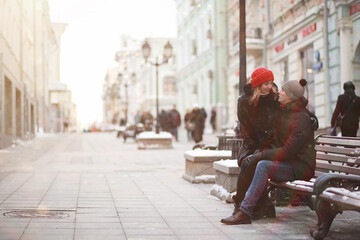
[(295, 133), (197, 117), (256, 123), (351, 118)]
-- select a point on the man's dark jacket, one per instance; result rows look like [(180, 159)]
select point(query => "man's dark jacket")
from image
[(295, 133)]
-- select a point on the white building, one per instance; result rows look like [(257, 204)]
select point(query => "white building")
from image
[(131, 87), (202, 57), (167, 89)]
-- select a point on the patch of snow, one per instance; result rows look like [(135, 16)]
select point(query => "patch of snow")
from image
[(209, 153), (152, 135), (305, 183), (153, 146), (19, 142), (230, 163), (328, 194), (205, 178), (222, 193), (342, 191)]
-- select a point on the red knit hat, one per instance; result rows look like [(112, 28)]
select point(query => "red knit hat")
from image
[(261, 75)]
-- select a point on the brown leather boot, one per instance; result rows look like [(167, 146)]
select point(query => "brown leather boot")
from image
[(238, 217)]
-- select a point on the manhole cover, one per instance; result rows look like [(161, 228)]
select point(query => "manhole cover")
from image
[(58, 214)]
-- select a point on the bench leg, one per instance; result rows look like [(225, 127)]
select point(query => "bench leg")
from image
[(326, 214), (309, 201)]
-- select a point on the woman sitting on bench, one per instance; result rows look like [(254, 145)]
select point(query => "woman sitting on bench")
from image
[(294, 159)]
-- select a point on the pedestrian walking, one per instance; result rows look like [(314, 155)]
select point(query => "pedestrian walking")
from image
[(258, 111), (190, 127), (197, 118), (347, 112), (164, 121), (213, 119), (175, 122), (137, 117), (293, 159), (147, 119)]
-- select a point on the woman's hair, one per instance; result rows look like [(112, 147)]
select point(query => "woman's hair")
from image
[(254, 99)]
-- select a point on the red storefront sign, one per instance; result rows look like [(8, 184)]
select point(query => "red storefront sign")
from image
[(355, 8), (279, 47), (308, 30)]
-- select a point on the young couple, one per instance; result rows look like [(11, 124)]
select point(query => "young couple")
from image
[(278, 134)]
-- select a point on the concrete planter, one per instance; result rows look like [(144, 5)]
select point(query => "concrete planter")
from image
[(151, 140), (227, 172), (199, 164)]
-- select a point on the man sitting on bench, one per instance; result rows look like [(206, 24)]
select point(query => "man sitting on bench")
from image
[(294, 159)]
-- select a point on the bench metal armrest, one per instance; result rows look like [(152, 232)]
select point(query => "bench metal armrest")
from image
[(335, 180)]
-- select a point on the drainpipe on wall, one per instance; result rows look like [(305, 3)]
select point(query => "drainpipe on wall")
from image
[(242, 48), (35, 121), (2, 98), (224, 68), (268, 27), (326, 64)]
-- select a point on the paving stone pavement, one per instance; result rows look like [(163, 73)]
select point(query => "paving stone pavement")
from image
[(93, 186)]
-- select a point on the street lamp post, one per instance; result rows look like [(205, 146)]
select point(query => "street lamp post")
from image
[(126, 85), (146, 50)]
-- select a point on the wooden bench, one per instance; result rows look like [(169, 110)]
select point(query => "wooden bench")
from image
[(336, 183)]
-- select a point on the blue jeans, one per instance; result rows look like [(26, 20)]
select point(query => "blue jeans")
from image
[(174, 132), (265, 169)]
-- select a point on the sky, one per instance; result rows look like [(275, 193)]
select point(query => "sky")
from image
[(92, 37)]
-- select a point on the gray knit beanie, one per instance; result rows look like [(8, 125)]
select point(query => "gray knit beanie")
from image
[(295, 89)]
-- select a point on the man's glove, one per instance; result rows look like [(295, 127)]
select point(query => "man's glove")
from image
[(250, 160)]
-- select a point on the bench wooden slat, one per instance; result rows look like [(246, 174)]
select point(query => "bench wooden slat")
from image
[(343, 141), (348, 203), (319, 173), (337, 158), (338, 168), (344, 192), (334, 149), (294, 186)]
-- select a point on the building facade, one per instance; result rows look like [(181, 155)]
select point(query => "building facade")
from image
[(130, 88), (27, 44), (201, 74), (344, 44), (255, 30), (62, 110), (299, 40)]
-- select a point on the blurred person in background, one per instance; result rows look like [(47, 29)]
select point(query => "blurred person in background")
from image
[(175, 122), (347, 111)]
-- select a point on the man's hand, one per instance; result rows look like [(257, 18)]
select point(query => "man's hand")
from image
[(250, 160)]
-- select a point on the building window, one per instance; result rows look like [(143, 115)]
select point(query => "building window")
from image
[(257, 33), (194, 47), (169, 86), (284, 71), (307, 59)]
